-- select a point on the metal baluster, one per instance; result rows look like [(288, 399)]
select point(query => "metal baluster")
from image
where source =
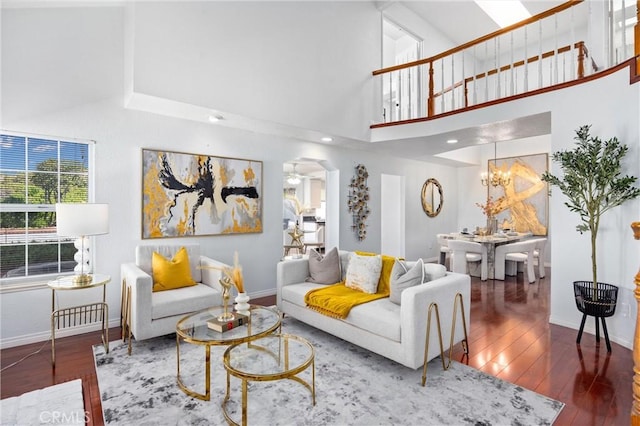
[(475, 89), (486, 75), (391, 107), (540, 54), (399, 94), (497, 66), (526, 61), (624, 31), (555, 50), (442, 84), (453, 82), (409, 109), (511, 88), (572, 42), (464, 85)]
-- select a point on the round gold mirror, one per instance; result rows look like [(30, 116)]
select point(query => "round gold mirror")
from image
[(432, 198)]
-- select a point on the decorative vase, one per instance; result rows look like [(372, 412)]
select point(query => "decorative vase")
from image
[(242, 303), (492, 225)]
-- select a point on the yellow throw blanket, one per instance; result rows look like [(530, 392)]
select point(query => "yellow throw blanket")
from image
[(337, 300)]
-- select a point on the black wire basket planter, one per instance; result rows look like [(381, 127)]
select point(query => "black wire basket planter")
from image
[(599, 302)]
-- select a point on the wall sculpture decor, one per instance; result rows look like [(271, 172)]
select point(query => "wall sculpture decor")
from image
[(358, 201), (432, 197), (523, 203), (193, 195)]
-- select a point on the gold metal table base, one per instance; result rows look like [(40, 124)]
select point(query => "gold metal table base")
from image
[(289, 373), (196, 337), (73, 316)]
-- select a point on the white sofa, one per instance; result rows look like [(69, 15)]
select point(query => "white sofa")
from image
[(154, 314), (397, 332)]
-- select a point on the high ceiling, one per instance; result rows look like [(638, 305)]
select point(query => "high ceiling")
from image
[(463, 20)]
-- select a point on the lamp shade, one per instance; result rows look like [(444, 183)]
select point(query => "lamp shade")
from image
[(79, 219)]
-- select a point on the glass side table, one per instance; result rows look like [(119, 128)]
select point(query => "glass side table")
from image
[(81, 314), (193, 329), (271, 357)]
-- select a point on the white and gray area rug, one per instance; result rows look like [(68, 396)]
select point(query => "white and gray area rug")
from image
[(61, 404), (353, 387)]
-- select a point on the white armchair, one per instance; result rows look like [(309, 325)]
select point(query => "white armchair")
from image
[(521, 251), (147, 314)]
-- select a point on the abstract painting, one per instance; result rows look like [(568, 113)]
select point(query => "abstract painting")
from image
[(523, 202), (192, 195)]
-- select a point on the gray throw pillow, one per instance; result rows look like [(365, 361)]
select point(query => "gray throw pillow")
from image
[(324, 270), (402, 279), (433, 271)]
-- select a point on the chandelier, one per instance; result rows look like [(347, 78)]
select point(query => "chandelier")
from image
[(293, 178), (496, 177)]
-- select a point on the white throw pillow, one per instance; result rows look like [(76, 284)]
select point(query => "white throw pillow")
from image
[(363, 273), (402, 279), (433, 271)]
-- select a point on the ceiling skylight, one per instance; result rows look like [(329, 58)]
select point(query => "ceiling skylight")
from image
[(504, 12)]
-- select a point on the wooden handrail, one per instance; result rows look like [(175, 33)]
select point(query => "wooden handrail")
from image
[(484, 38), (587, 78), (578, 45)]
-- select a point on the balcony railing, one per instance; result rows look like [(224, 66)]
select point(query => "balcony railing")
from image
[(545, 50)]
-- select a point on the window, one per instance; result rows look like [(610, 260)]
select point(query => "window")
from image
[(35, 174)]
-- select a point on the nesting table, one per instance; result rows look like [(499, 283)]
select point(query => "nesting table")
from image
[(193, 329), (268, 358)]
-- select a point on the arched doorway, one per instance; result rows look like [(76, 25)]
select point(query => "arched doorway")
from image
[(309, 199)]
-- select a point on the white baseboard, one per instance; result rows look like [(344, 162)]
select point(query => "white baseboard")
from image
[(46, 335), (591, 329)]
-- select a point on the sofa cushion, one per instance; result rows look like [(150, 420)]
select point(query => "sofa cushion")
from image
[(433, 271), (171, 274), (380, 317), (363, 273), (403, 278), (324, 270), (183, 301), (295, 293)]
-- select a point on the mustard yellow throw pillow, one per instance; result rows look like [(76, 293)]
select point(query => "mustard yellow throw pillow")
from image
[(171, 274)]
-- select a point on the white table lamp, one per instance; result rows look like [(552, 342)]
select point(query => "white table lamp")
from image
[(82, 220)]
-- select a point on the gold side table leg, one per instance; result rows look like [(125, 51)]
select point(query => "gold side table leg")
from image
[(244, 402), (53, 330)]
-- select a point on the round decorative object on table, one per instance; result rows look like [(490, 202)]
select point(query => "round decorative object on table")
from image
[(242, 303)]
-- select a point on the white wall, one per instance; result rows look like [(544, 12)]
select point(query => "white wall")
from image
[(66, 79), (97, 112), (263, 59)]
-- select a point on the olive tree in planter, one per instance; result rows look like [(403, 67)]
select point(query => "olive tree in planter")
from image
[(593, 183)]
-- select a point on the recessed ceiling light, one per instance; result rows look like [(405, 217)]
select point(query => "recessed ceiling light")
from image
[(214, 118), (452, 140), (326, 139)]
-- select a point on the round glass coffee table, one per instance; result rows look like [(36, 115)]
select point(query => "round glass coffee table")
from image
[(272, 357), (194, 329)]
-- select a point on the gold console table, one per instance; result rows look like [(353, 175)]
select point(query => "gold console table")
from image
[(81, 314)]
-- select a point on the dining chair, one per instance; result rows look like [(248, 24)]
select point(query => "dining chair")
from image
[(445, 251), (465, 252), (539, 254), (522, 251), (513, 267)]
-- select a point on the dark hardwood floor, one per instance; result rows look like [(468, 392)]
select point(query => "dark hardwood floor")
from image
[(510, 337)]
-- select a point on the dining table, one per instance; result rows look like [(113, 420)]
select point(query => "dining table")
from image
[(490, 242)]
